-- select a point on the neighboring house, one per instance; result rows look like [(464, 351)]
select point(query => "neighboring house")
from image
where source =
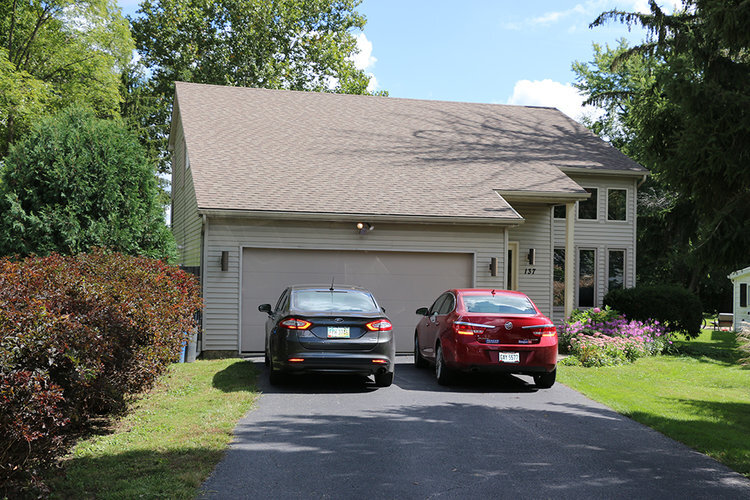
[(268, 187), (740, 306)]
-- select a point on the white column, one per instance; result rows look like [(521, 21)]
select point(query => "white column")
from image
[(570, 274)]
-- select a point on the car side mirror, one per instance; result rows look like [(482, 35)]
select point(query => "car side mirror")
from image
[(266, 308), (423, 311)]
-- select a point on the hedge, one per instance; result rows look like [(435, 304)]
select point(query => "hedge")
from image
[(78, 335), (675, 307)]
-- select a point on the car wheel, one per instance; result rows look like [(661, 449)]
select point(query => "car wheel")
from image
[(275, 377), (267, 361), (384, 379), (545, 380), (442, 372), (419, 361)]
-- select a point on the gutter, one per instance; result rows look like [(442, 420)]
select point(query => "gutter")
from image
[(335, 217)]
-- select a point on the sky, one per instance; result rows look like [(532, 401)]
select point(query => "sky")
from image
[(502, 52)]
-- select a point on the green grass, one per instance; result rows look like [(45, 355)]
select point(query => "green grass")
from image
[(169, 442), (700, 396)]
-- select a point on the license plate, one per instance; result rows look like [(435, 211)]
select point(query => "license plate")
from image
[(509, 357), (338, 332)]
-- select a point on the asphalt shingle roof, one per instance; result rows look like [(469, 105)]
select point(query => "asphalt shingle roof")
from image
[(286, 151)]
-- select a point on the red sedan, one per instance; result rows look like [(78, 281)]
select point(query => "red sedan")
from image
[(486, 330)]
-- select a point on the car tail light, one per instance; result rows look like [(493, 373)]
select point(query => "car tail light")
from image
[(380, 361), (379, 325), (546, 330), (296, 324), (463, 328), (549, 332), (296, 360)]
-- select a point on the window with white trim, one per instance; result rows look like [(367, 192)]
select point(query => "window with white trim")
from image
[(617, 204), (587, 209)]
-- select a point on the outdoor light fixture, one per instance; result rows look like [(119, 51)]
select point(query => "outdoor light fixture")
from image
[(364, 227), (224, 260), (531, 256), (493, 266)]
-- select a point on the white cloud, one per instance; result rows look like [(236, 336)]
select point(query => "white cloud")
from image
[(589, 10), (363, 59), (562, 96)]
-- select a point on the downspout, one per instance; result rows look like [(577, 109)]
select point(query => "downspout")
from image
[(203, 273)]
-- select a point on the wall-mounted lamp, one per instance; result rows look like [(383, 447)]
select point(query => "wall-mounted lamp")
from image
[(531, 256), (224, 260), (493, 266), (364, 227)]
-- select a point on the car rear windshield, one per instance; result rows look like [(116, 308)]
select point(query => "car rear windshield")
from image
[(498, 304), (333, 301)]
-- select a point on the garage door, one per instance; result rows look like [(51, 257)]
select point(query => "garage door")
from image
[(401, 281)]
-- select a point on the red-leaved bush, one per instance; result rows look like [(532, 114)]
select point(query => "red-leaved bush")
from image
[(77, 336)]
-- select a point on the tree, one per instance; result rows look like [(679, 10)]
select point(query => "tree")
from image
[(285, 44), (690, 123), (65, 52), (78, 182)]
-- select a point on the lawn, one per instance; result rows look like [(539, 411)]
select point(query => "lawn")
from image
[(169, 442), (700, 396)]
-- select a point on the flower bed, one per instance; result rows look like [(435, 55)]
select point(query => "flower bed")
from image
[(602, 337)]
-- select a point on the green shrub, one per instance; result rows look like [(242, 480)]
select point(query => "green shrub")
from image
[(77, 336), (676, 308)]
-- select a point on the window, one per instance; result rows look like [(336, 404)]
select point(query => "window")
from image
[(586, 277), (558, 278), (281, 304), (334, 300), (587, 209), (438, 304), (498, 303), (447, 305), (743, 294), (559, 211), (617, 204), (615, 279)]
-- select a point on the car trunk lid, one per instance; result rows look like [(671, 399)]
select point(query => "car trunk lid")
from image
[(339, 333), (506, 329)]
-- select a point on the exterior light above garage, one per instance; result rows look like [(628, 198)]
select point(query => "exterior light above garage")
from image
[(364, 227)]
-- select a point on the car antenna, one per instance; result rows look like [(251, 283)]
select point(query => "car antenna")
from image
[(332, 278)]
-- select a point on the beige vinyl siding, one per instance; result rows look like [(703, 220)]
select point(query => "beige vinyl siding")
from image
[(534, 233), (186, 224), (221, 320), (603, 235)]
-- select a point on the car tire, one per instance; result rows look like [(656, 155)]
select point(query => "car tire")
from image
[(545, 380), (442, 372), (384, 379), (275, 377), (267, 361), (419, 361)]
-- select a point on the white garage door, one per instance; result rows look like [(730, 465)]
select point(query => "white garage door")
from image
[(401, 281)]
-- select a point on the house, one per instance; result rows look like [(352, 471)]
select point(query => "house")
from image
[(404, 197), (740, 282)]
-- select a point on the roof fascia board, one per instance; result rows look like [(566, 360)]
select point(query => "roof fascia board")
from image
[(318, 216), (739, 273), (542, 196), (614, 173)]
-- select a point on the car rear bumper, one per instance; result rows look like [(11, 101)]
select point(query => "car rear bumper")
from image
[(473, 356), (336, 362), (291, 356)]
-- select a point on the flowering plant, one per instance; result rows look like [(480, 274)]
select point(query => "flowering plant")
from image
[(601, 337)]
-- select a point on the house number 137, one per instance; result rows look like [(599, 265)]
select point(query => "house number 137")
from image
[(529, 270)]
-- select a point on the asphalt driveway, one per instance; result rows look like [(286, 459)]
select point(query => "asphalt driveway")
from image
[(341, 437)]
